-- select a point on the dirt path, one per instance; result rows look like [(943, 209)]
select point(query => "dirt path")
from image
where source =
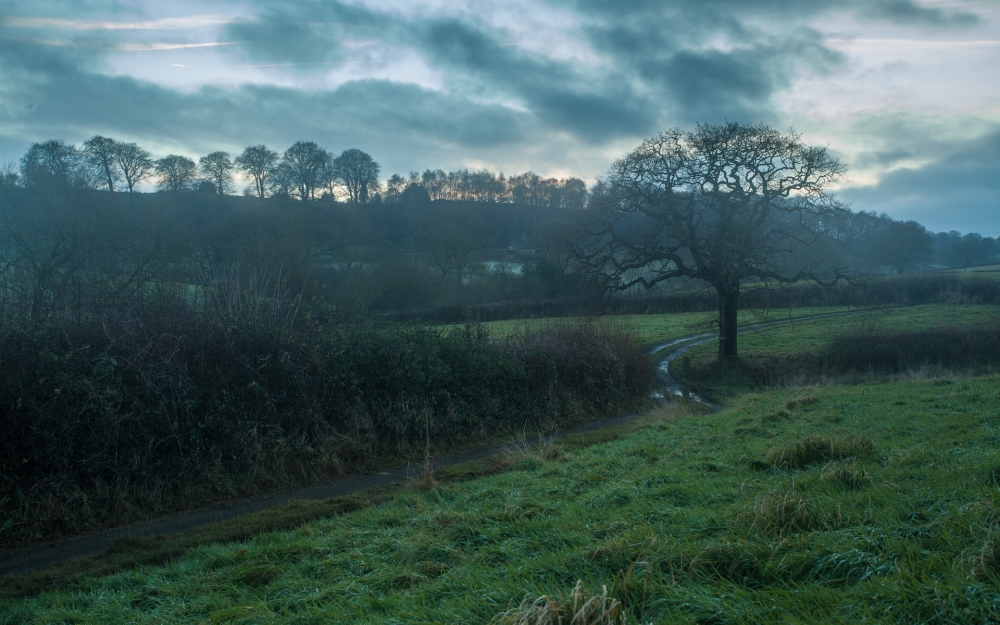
[(670, 351), (33, 557)]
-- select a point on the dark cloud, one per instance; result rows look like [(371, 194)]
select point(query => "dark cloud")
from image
[(311, 33), (594, 106), (658, 71), (401, 124), (657, 64), (960, 191), (908, 12), (729, 14)]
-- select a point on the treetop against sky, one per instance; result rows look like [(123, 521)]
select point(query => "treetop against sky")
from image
[(901, 91)]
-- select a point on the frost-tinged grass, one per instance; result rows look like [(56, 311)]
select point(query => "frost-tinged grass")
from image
[(894, 517)]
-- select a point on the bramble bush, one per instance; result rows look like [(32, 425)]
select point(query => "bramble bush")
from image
[(113, 418)]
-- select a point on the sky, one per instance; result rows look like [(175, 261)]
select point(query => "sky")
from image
[(906, 93)]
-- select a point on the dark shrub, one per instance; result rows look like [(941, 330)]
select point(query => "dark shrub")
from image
[(109, 420), (894, 352)]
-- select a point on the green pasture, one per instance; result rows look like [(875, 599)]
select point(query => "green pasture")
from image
[(841, 504), (652, 329), (810, 336), (852, 503)]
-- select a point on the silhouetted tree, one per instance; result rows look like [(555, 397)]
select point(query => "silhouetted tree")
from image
[(218, 168), (969, 250), (51, 162), (101, 154), (176, 173), (258, 162), (394, 188), (720, 204), (135, 165), (903, 243), (304, 164), (358, 173), (452, 240), (9, 176)]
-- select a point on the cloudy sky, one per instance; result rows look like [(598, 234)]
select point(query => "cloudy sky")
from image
[(905, 92)]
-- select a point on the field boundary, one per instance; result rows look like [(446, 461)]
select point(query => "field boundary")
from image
[(34, 557)]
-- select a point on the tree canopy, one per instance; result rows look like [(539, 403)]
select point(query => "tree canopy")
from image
[(722, 204)]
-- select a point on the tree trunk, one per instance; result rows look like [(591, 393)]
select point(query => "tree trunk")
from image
[(729, 295)]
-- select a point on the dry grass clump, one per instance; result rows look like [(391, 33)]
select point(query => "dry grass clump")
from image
[(523, 453), (781, 513), (425, 480), (816, 449), (805, 400), (579, 609), (846, 473)]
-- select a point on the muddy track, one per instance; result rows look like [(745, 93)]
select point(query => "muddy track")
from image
[(33, 557), (666, 353)]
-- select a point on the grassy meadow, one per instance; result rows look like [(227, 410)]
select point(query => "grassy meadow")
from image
[(814, 351), (842, 504), (810, 336), (653, 329), (864, 502)]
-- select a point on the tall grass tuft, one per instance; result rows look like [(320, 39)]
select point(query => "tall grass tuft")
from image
[(846, 473), (579, 608), (780, 512), (812, 450)]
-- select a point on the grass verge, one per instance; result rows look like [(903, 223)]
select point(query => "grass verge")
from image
[(683, 521), (130, 553)]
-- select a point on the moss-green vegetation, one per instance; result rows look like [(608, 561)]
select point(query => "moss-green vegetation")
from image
[(908, 340), (849, 504), (652, 329), (811, 336)]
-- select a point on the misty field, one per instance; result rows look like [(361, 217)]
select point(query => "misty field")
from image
[(846, 504)]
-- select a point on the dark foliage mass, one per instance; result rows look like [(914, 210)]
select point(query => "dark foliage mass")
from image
[(905, 290), (857, 356), (895, 352), (102, 418)]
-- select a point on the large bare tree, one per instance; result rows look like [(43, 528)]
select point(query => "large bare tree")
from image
[(258, 162), (101, 154), (358, 173), (135, 165), (720, 203), (218, 168), (176, 173), (53, 163), (303, 165)]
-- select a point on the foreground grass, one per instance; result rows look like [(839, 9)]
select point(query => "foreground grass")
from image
[(843, 504)]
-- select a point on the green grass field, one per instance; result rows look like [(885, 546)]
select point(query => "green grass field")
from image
[(862, 503), (652, 329), (809, 336), (846, 504)]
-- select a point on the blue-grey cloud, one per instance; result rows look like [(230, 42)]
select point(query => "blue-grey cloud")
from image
[(958, 192), (907, 12), (655, 75), (657, 64), (307, 33), (49, 94)]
